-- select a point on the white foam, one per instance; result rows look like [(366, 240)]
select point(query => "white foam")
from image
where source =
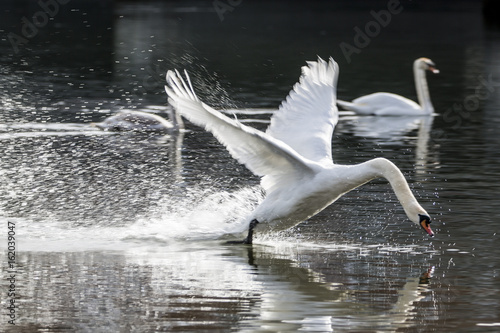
[(200, 215)]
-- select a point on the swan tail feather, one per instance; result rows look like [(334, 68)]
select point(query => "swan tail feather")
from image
[(346, 105), (359, 108)]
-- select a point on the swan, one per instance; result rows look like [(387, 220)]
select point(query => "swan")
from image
[(294, 155), (141, 122), (387, 104)]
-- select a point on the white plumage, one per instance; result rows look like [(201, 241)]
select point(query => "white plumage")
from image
[(139, 121), (294, 155), (388, 104)]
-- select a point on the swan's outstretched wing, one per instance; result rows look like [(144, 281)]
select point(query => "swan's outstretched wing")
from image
[(307, 118), (261, 153)]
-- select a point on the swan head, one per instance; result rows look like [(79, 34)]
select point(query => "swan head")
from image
[(419, 216), (424, 220), (426, 64)]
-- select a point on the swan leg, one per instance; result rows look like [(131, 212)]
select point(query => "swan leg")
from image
[(249, 238)]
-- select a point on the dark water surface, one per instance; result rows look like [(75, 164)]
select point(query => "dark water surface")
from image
[(120, 232)]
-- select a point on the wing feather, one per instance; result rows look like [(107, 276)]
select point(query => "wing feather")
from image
[(259, 152), (306, 119)]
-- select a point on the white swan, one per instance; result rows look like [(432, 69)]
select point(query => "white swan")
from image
[(141, 122), (387, 104), (294, 154)]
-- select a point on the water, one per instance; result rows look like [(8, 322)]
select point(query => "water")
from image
[(119, 232)]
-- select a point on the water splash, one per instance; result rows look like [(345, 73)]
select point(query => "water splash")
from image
[(201, 214), (198, 215)]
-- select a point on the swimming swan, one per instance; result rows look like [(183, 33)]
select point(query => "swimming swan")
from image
[(387, 104), (294, 155), (139, 121)]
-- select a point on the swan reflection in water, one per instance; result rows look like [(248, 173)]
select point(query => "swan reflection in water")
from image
[(205, 285), (277, 292), (394, 131), (288, 287)]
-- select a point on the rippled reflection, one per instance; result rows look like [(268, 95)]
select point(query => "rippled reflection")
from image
[(205, 285)]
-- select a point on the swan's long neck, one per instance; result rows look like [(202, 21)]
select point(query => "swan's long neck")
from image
[(381, 167), (424, 98)]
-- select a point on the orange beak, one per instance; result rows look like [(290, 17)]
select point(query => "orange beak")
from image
[(433, 69), (425, 225)]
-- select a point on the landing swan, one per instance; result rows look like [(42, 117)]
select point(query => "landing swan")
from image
[(139, 121), (387, 104), (294, 155)]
